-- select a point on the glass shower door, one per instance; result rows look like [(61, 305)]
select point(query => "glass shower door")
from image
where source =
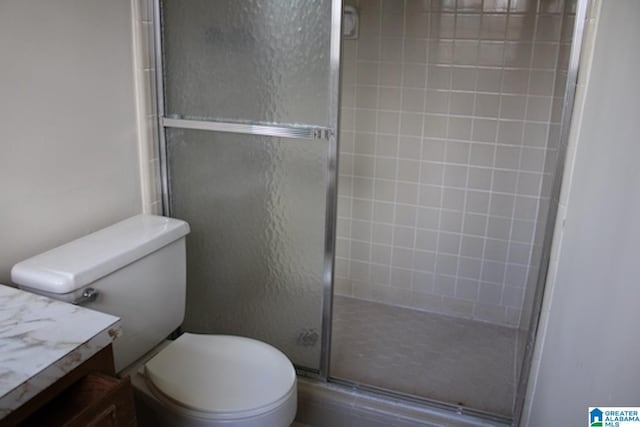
[(249, 118)]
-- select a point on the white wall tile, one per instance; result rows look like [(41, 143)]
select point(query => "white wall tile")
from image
[(455, 176), (499, 228), (404, 236), (414, 75), (489, 293), (449, 243), (451, 221), (471, 269), (383, 212), (412, 100), (445, 119), (382, 233), (409, 170), (472, 246), (401, 278), (496, 250), (385, 168), (465, 52), (426, 240), (493, 26), (474, 224), (424, 261), (477, 201), (459, 128), (453, 198), (482, 155), (428, 218), (467, 26)]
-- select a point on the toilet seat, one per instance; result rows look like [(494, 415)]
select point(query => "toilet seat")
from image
[(222, 376)]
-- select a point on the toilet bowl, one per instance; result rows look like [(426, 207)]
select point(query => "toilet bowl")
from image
[(217, 380), (136, 270)]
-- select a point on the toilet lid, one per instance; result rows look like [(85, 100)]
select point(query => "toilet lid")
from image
[(221, 373)]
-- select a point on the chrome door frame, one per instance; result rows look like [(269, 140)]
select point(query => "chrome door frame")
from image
[(581, 16), (329, 134)]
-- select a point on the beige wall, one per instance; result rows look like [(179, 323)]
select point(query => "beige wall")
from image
[(587, 350), (69, 160)]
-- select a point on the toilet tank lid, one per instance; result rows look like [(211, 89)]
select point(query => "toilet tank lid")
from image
[(71, 266)]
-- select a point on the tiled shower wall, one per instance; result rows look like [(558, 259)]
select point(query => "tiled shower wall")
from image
[(446, 108), (145, 73)]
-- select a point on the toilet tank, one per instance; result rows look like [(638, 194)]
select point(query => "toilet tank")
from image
[(137, 269)]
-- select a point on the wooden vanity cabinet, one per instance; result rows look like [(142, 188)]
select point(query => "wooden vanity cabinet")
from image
[(89, 396), (96, 400)]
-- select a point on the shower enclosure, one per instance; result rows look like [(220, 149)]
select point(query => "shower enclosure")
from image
[(416, 268)]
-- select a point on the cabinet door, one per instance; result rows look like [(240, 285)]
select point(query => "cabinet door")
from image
[(96, 400), (106, 402), (106, 418)]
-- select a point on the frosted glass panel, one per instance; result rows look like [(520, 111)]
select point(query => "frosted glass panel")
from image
[(250, 60), (256, 206)]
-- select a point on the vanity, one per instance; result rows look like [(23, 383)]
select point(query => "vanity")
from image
[(56, 365)]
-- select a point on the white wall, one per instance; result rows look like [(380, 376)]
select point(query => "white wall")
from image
[(588, 347), (68, 134)]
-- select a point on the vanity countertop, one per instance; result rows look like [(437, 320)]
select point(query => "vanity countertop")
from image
[(41, 340)]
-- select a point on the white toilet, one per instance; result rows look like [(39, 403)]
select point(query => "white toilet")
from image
[(136, 270)]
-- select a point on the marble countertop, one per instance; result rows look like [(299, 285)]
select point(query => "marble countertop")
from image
[(41, 340)]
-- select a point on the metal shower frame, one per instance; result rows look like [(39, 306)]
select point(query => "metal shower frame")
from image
[(330, 134)]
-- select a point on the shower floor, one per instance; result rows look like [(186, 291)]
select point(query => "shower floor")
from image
[(428, 355)]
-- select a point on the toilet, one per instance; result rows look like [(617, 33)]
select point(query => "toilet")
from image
[(136, 270)]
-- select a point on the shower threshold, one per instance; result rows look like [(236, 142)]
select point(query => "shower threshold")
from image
[(337, 404)]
